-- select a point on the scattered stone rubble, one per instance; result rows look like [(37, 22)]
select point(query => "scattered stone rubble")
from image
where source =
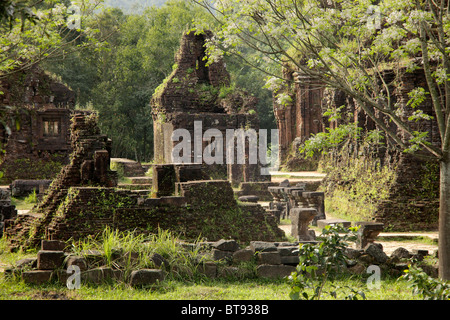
[(223, 258)]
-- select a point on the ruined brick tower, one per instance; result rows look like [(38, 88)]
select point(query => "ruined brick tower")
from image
[(199, 92)]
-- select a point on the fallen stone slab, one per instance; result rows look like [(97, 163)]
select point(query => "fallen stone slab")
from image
[(376, 252), (144, 277), (290, 260), (401, 253), (221, 255), (274, 271), (262, 246), (97, 275), (26, 262), (226, 245), (288, 250), (78, 261), (243, 255), (272, 258), (53, 245)]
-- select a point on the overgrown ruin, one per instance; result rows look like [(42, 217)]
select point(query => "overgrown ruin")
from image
[(195, 91), (412, 194)]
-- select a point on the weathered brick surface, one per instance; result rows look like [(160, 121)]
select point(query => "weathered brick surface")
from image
[(274, 271), (50, 260), (37, 276)]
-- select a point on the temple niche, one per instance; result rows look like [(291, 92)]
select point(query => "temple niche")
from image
[(35, 132), (197, 97)]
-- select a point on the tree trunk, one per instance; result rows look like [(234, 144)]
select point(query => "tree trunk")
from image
[(444, 220)]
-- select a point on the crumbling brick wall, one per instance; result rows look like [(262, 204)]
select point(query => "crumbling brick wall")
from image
[(83, 200), (204, 209), (88, 166)]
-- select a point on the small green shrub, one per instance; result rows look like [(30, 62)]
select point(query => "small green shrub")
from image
[(427, 287)]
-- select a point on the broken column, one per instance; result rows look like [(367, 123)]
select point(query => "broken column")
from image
[(301, 218)]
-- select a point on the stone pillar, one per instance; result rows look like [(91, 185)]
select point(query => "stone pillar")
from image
[(301, 218)]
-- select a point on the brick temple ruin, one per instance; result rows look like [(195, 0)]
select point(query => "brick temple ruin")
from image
[(36, 141), (199, 92), (192, 200), (302, 118)]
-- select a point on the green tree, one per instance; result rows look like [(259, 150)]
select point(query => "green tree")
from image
[(362, 48)]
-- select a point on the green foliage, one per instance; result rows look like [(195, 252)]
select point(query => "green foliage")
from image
[(40, 34), (26, 168), (356, 185), (322, 263), (350, 46), (119, 168), (323, 142), (427, 287), (119, 81)]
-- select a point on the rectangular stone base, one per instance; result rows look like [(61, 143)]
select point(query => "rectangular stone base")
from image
[(332, 222)]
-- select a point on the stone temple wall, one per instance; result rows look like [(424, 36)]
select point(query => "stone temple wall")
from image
[(197, 92), (84, 199)]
